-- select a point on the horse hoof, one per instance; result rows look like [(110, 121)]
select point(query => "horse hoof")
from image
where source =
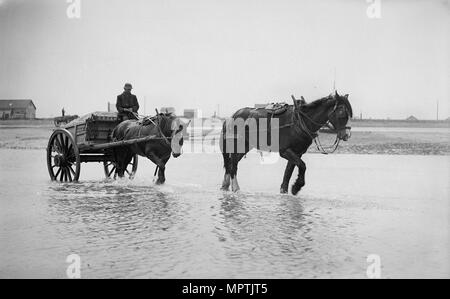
[(235, 185), (283, 190), (295, 189), (158, 182), (225, 189)]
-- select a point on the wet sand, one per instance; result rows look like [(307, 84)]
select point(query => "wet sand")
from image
[(408, 141), (352, 206)]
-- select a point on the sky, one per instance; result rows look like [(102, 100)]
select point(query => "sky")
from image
[(224, 55)]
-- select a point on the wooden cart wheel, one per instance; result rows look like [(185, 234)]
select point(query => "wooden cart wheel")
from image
[(63, 157), (110, 168)]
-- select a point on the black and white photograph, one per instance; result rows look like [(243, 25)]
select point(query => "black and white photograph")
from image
[(213, 140)]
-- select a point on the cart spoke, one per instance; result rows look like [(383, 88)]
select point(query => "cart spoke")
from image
[(64, 140), (72, 171), (64, 148), (59, 171), (58, 145), (61, 142), (112, 170), (62, 175), (66, 144), (69, 176)]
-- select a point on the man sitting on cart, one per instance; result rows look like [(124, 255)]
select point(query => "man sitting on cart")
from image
[(127, 104)]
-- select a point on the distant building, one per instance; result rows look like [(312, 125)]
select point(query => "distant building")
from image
[(412, 118), (17, 109), (167, 110), (112, 107), (192, 113)]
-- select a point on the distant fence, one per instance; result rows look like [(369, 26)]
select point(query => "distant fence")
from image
[(28, 122), (400, 123)]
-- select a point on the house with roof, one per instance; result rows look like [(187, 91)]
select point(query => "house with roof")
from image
[(412, 118), (17, 109)]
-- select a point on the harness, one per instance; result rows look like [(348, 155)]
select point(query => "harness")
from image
[(314, 136), (298, 122), (145, 121)]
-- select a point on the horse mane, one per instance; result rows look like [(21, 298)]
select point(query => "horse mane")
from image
[(314, 104), (340, 99), (347, 104)]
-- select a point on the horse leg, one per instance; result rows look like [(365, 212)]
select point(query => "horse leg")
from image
[(126, 161), (120, 157), (300, 182), (294, 158), (287, 176), (159, 162), (235, 158), (227, 176), (161, 172)]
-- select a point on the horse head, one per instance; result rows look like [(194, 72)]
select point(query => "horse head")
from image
[(340, 116), (173, 127)]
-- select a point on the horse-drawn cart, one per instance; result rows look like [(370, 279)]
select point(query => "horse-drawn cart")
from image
[(86, 139)]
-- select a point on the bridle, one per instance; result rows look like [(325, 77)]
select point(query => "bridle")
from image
[(300, 116)]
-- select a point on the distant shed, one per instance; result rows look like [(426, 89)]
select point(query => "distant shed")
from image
[(17, 109), (412, 118)]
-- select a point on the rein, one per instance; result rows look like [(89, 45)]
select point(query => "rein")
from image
[(157, 125), (313, 135), (166, 139)]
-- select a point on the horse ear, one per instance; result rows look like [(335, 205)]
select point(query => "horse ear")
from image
[(346, 96), (336, 94), (295, 101)]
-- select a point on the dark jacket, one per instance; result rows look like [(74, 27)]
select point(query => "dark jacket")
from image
[(127, 100)]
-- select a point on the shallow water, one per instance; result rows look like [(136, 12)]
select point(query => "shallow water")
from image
[(353, 206)]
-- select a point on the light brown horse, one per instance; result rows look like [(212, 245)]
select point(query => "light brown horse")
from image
[(167, 130)]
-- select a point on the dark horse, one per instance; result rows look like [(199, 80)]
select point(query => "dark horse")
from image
[(167, 130), (298, 127)]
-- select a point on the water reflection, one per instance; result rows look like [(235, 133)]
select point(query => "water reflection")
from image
[(116, 225), (189, 229), (261, 231), (110, 204)]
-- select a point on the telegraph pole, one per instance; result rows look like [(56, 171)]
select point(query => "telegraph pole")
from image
[(437, 110)]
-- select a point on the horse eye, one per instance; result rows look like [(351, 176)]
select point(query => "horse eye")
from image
[(341, 113)]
